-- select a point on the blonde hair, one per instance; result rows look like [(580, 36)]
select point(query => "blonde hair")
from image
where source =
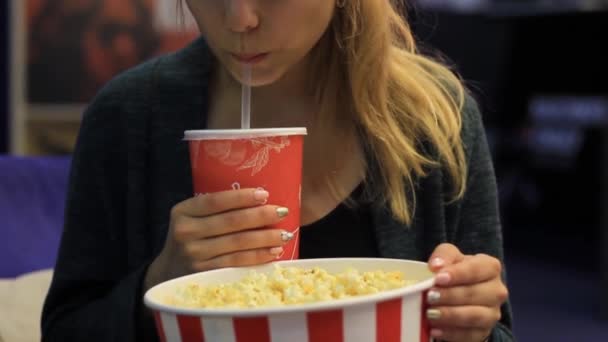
[(367, 63), (402, 101)]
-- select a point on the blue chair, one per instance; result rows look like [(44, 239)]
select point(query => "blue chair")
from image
[(32, 200)]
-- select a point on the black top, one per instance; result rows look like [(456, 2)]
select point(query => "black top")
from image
[(347, 231), (131, 166)]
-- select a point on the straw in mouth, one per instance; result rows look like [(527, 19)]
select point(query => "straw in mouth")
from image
[(246, 98)]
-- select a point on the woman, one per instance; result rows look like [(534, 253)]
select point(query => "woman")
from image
[(396, 165)]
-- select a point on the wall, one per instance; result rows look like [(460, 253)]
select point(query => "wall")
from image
[(4, 75)]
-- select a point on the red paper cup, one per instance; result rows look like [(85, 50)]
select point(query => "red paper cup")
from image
[(269, 159), (392, 316)]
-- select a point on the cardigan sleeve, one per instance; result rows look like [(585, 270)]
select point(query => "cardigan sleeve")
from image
[(95, 295), (479, 229)]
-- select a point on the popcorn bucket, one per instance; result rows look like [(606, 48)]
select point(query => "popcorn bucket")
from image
[(390, 316)]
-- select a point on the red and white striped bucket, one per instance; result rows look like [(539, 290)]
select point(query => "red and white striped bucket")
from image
[(391, 316)]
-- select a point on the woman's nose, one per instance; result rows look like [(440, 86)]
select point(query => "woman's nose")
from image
[(241, 15)]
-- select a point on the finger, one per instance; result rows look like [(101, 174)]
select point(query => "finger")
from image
[(480, 317), (218, 202), (444, 254), (460, 335), (192, 228), (492, 293), (231, 243), (479, 268), (239, 259)]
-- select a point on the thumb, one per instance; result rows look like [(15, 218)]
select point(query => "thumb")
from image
[(444, 255)]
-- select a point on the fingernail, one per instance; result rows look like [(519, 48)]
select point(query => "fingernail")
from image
[(260, 195), (437, 262), (276, 250), (433, 314), (436, 333), (433, 296), (443, 278), (282, 212), (286, 236)]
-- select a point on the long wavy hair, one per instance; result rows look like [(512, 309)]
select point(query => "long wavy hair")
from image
[(404, 106), (378, 90)]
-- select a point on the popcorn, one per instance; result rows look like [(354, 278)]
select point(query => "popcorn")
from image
[(287, 286)]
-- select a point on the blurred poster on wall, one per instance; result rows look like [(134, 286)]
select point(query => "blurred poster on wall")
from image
[(75, 46)]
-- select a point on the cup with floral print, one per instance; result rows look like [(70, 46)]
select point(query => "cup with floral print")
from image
[(269, 159)]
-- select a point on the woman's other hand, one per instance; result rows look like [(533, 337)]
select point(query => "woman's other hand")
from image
[(464, 305)]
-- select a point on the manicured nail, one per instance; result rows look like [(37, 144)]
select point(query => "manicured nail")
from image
[(437, 262), (443, 278), (433, 314), (436, 333), (276, 251), (286, 236), (282, 212), (433, 296), (260, 195)]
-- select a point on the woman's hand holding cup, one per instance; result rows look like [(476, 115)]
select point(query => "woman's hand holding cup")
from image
[(223, 229)]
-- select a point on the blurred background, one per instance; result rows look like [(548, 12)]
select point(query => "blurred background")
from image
[(534, 66)]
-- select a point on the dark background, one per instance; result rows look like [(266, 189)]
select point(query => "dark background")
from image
[(550, 201), (552, 172)]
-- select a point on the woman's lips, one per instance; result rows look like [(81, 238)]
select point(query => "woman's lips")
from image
[(248, 58)]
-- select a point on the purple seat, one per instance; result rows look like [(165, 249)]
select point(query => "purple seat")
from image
[(32, 200)]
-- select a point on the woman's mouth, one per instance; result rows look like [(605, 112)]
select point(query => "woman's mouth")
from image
[(249, 58)]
